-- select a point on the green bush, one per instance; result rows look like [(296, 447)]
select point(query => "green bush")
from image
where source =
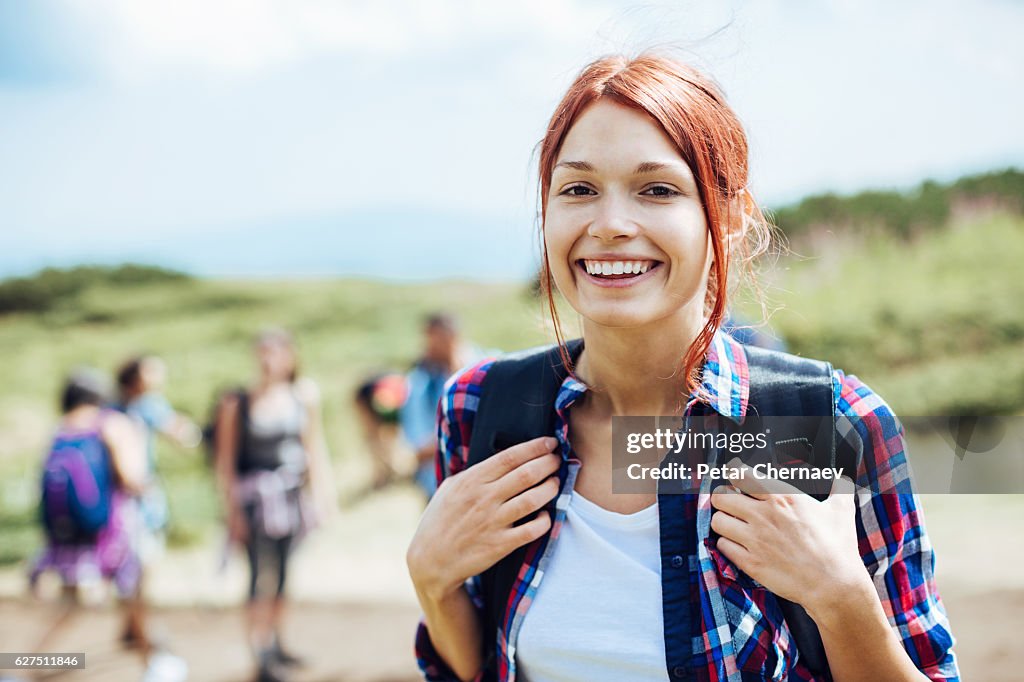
[(50, 287), (902, 213)]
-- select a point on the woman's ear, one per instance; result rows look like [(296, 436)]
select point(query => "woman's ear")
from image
[(739, 215)]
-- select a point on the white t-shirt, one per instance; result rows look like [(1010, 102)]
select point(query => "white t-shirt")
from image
[(597, 615)]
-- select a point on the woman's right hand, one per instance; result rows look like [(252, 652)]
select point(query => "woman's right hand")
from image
[(469, 524)]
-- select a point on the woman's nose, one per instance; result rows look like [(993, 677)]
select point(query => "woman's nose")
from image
[(613, 221)]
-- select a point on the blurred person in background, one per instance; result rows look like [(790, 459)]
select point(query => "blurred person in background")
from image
[(276, 483), (443, 353), (140, 383), (95, 468), (378, 402)]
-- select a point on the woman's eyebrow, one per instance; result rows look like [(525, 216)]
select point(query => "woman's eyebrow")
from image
[(655, 166), (577, 165)]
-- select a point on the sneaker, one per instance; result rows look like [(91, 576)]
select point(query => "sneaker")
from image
[(166, 667), (286, 658), (270, 668)]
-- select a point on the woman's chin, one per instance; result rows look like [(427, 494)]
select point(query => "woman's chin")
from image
[(619, 316)]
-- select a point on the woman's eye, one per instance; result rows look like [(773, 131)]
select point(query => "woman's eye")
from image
[(660, 191), (578, 191)]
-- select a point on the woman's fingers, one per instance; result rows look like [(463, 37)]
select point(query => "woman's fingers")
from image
[(528, 501), (517, 536), (735, 552), (730, 527), (501, 463), (526, 475), (733, 502)]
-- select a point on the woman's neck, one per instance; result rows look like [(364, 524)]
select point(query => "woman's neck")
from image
[(266, 385), (636, 371), (83, 415)]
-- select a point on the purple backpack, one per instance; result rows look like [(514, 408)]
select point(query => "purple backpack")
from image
[(77, 485)]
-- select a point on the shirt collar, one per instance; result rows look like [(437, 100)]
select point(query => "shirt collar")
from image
[(726, 381)]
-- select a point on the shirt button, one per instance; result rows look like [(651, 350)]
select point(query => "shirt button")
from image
[(679, 672), (677, 562)]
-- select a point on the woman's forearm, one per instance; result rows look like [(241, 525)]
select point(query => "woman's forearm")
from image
[(455, 630), (859, 642)]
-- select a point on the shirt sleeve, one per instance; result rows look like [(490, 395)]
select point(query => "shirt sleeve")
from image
[(455, 415), (417, 416), (894, 544), (154, 410)]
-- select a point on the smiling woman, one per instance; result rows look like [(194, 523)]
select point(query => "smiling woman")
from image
[(646, 220)]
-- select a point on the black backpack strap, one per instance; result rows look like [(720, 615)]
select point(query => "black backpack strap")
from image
[(517, 404), (784, 385), (517, 399)]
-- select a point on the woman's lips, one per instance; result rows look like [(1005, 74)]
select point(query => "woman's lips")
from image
[(617, 276)]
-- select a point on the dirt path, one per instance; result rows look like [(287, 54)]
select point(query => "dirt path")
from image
[(355, 613), (372, 642), (352, 642)]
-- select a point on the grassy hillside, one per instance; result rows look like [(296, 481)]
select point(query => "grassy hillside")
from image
[(345, 329), (934, 323)]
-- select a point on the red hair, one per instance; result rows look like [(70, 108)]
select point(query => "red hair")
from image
[(690, 108)]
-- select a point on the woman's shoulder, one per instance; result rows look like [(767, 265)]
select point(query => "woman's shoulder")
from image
[(114, 425), (462, 389), (868, 429), (307, 391), (855, 399)]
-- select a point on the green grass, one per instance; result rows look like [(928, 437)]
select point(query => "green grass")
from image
[(935, 325)]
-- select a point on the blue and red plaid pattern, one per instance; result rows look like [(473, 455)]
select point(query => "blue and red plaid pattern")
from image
[(736, 628)]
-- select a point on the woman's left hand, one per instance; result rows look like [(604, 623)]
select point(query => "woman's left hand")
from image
[(800, 548)]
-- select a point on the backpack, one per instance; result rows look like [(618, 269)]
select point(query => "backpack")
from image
[(77, 486), (210, 429), (517, 404)]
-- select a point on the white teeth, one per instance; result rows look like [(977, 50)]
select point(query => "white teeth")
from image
[(605, 268)]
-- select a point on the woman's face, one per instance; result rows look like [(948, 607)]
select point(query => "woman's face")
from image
[(277, 360), (153, 374), (625, 231)]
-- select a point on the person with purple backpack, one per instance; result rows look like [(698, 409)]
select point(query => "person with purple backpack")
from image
[(95, 465)]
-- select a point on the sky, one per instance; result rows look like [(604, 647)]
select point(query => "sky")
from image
[(395, 139)]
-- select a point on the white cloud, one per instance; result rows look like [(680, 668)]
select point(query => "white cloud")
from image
[(141, 40)]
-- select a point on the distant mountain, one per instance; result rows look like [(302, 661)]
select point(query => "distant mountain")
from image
[(390, 244)]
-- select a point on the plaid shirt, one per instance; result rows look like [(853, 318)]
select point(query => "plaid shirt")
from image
[(719, 625)]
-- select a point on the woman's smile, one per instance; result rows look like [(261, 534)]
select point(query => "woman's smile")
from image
[(617, 272)]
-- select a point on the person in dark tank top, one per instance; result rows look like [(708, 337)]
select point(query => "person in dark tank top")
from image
[(276, 482)]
